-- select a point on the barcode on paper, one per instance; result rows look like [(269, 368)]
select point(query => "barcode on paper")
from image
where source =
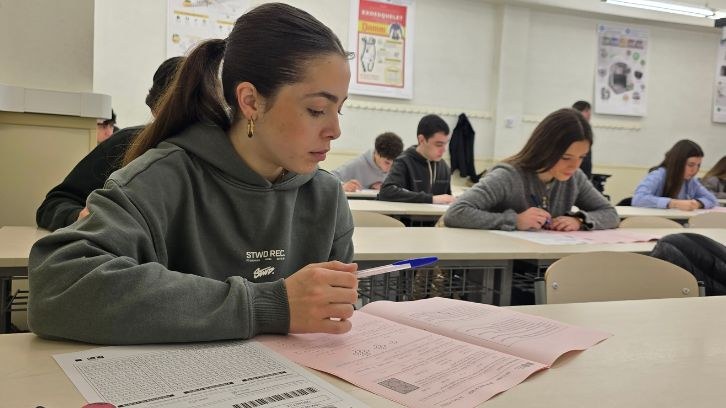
[(276, 398), (397, 385)]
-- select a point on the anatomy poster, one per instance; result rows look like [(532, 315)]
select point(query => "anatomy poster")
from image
[(192, 21), (381, 36), (621, 75), (719, 97)]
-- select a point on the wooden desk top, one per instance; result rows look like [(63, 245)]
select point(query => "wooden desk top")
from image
[(670, 213), (365, 193), (395, 208), (386, 244), (15, 243), (664, 353)]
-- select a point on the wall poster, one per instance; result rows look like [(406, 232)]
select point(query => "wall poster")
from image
[(189, 22), (381, 36), (621, 75), (719, 97)]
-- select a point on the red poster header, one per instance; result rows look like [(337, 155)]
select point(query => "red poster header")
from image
[(382, 12)]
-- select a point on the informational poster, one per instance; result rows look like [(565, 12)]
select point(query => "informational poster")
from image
[(719, 97), (192, 21), (621, 75), (381, 36)]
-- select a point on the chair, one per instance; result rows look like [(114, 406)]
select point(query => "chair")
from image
[(371, 219), (708, 220), (649, 222), (605, 276), (627, 201)]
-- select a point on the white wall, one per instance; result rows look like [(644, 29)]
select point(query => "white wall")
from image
[(496, 60), (47, 44)]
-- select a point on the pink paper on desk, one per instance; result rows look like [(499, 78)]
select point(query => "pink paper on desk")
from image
[(394, 350), (611, 236)]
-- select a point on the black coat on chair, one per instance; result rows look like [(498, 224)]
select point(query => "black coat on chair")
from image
[(700, 255)]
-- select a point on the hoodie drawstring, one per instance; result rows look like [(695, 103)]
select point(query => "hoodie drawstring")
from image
[(432, 176)]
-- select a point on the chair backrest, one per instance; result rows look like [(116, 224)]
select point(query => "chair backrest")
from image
[(371, 219), (708, 220), (603, 276), (649, 222), (625, 201)]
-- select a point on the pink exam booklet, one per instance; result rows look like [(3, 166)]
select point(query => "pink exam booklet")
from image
[(437, 352)]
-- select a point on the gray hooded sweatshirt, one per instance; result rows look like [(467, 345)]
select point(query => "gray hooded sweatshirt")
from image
[(505, 191), (184, 244)]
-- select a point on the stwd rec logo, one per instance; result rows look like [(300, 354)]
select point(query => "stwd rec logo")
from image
[(265, 255)]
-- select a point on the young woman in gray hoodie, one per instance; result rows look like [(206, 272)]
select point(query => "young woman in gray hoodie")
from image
[(537, 187), (220, 225)]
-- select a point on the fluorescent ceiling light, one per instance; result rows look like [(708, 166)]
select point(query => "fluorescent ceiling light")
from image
[(666, 6)]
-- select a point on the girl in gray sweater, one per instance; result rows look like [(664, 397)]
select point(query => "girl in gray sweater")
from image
[(220, 225), (537, 187)]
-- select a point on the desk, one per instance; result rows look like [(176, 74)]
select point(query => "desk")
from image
[(459, 248), (396, 208), (15, 243), (654, 359), (365, 194), (670, 213)]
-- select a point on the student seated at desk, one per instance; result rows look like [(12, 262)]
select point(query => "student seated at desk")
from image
[(66, 202), (420, 175), (715, 179), (673, 183), (370, 168), (207, 234), (537, 187)]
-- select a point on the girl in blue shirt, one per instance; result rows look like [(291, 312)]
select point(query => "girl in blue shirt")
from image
[(673, 183)]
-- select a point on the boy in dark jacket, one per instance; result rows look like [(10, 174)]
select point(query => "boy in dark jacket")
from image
[(419, 175)]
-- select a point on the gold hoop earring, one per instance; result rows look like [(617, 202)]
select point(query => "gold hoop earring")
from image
[(250, 127)]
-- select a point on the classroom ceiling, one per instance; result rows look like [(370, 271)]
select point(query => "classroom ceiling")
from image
[(599, 7)]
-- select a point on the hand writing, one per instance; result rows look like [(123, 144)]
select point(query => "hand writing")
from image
[(532, 218), (321, 297), (352, 185), (566, 223)]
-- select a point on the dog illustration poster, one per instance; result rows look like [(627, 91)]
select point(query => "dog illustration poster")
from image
[(190, 22), (719, 94), (621, 74), (381, 35)]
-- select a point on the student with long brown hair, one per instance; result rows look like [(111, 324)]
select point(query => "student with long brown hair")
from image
[(221, 225), (673, 183), (537, 187), (715, 179)]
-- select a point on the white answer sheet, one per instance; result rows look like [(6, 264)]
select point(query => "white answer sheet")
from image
[(234, 374)]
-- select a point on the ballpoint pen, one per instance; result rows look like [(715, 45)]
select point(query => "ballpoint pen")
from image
[(536, 202), (397, 266)]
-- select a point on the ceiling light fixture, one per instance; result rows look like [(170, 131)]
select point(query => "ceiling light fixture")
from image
[(667, 7)]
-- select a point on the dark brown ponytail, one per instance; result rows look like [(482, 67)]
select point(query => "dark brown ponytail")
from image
[(194, 95), (269, 46)]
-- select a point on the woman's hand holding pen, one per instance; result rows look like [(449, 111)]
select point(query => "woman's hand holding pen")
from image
[(685, 205), (566, 223), (533, 218), (321, 297)]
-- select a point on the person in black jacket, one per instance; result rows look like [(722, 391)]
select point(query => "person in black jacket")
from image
[(419, 175), (586, 110), (66, 202)]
